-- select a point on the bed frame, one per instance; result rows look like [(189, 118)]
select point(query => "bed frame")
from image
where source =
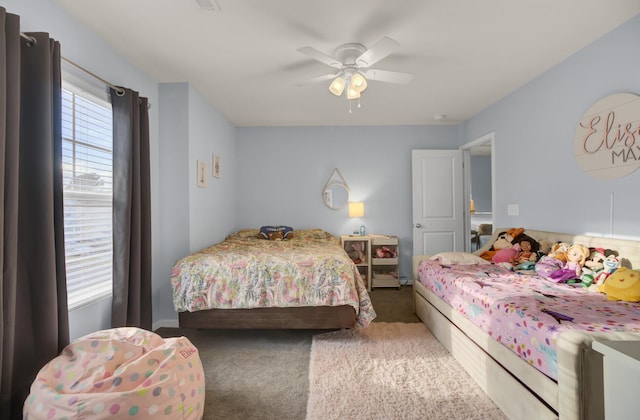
[(303, 318), (520, 390)]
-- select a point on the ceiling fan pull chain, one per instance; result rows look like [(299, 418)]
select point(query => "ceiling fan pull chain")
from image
[(349, 106)]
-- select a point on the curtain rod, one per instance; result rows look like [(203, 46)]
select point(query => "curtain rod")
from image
[(119, 91)]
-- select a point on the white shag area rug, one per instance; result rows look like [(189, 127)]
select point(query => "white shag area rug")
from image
[(390, 371)]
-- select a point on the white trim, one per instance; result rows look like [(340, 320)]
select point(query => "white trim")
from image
[(465, 148)]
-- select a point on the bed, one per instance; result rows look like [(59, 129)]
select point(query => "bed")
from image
[(303, 281), (562, 377)]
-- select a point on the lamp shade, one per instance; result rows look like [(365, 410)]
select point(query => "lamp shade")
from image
[(337, 86), (352, 93), (358, 82), (356, 209)]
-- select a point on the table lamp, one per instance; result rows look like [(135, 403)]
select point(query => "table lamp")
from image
[(356, 209)]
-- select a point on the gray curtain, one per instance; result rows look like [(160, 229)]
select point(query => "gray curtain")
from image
[(131, 211), (35, 325)]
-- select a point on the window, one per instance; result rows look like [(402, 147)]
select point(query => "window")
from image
[(87, 150)]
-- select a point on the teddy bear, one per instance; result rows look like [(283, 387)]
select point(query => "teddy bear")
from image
[(623, 284)]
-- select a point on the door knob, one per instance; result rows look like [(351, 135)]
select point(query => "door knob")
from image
[(418, 225)]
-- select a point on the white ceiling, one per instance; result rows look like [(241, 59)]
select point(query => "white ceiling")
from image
[(465, 54)]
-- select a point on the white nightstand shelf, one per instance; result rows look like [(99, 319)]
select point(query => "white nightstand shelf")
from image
[(359, 249), (384, 271)]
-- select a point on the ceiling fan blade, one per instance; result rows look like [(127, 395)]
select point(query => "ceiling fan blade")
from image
[(388, 76), (321, 57), (318, 79), (377, 52)]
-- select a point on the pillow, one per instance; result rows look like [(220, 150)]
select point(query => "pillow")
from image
[(314, 234), (276, 233), (244, 233), (462, 258)]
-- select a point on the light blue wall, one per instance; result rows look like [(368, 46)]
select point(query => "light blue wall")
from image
[(281, 173), (212, 210), (534, 129), (173, 238), (192, 217)]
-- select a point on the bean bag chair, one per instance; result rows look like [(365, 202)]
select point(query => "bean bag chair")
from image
[(120, 373)]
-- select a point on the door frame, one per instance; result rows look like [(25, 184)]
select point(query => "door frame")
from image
[(466, 180)]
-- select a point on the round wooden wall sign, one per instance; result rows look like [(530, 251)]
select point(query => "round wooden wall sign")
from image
[(607, 140)]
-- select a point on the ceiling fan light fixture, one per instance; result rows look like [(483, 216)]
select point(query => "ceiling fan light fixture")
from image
[(352, 93), (337, 86), (359, 82)]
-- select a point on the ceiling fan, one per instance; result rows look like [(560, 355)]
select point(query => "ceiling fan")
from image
[(353, 64)]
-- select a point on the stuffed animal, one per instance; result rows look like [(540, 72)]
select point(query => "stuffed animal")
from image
[(528, 249), (576, 256), (506, 255), (505, 240), (595, 260), (357, 249), (559, 251), (275, 236), (587, 277), (623, 284), (544, 247), (611, 264), (386, 252)]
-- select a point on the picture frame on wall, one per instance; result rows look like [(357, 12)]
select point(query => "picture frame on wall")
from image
[(216, 171), (202, 174)]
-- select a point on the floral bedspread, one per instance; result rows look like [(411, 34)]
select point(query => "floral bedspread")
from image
[(525, 312), (311, 269)]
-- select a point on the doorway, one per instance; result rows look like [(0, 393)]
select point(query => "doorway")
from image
[(479, 187)]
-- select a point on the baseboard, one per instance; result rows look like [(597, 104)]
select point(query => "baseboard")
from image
[(166, 323)]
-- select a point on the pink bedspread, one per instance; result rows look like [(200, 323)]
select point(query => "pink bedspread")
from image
[(525, 312)]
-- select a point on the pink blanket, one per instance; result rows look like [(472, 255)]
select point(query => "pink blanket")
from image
[(526, 312)]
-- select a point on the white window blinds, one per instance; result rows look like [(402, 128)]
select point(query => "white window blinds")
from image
[(87, 151)]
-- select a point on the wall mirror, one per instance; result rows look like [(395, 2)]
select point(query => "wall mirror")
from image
[(335, 193)]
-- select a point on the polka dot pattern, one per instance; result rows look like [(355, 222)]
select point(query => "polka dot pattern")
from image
[(120, 373)]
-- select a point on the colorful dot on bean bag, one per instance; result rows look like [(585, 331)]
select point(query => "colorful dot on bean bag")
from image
[(98, 408), (114, 409)]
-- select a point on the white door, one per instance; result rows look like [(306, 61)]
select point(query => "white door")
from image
[(438, 208)]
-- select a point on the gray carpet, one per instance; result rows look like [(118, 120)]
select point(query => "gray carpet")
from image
[(259, 374)]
